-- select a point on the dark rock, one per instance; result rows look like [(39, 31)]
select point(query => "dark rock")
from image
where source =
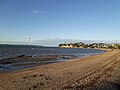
[(23, 55), (41, 74), (35, 75)]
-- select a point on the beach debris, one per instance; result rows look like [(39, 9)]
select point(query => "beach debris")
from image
[(48, 77), (35, 75), (30, 76), (41, 74)]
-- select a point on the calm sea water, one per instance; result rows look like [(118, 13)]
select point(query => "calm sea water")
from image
[(7, 51), (15, 50)]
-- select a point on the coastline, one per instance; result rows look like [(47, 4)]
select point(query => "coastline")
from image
[(80, 73), (24, 61), (70, 58)]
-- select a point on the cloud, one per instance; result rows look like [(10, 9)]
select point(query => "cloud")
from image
[(57, 41), (39, 12), (52, 42)]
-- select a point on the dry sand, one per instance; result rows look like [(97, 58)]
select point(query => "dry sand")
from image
[(100, 72)]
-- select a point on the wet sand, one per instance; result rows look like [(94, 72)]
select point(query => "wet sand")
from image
[(99, 72), (24, 61)]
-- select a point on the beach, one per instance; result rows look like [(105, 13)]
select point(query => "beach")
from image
[(14, 57), (98, 72)]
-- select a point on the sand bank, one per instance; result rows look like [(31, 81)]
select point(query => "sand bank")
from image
[(100, 72)]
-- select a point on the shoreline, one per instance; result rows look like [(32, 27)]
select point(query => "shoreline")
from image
[(92, 72), (68, 60), (23, 61)]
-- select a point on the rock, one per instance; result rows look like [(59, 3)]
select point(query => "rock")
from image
[(23, 55)]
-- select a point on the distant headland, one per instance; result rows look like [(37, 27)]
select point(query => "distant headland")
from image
[(93, 45)]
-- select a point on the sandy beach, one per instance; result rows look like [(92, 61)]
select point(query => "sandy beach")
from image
[(99, 72)]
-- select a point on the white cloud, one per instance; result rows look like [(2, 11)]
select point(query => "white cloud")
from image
[(57, 41), (39, 12)]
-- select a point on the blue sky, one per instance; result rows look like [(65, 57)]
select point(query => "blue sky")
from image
[(63, 19)]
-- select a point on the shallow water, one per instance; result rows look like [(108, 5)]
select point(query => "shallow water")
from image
[(9, 51)]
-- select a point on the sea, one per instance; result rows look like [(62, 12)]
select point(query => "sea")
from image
[(9, 51)]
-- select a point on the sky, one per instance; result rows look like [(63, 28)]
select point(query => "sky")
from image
[(59, 19)]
